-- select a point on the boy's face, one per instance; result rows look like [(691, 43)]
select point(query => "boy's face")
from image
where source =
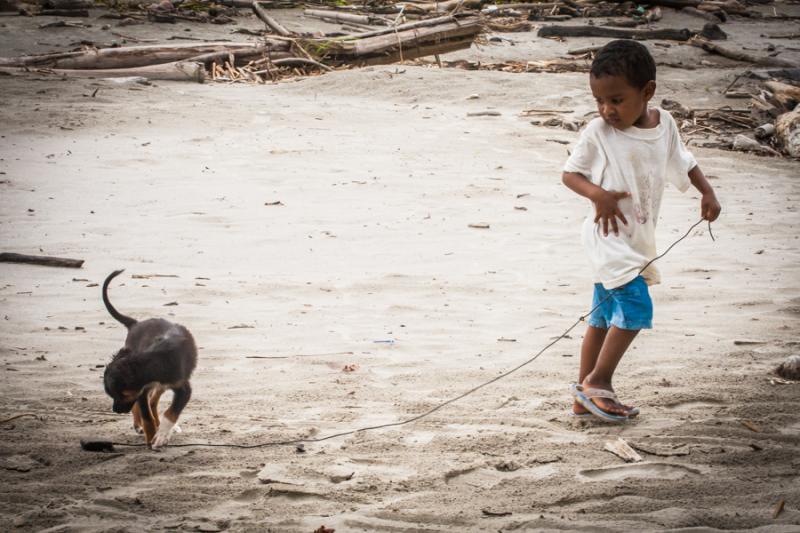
[(621, 104)]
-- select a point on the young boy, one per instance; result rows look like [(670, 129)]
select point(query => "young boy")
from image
[(621, 162)]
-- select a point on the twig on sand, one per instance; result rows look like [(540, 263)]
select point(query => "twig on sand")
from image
[(19, 416), (296, 355)]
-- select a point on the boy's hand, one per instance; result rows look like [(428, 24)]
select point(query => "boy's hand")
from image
[(607, 210), (709, 207)]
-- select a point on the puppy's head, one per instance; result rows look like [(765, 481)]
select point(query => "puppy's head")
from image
[(118, 381)]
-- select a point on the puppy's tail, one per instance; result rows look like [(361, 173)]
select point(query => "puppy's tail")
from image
[(127, 321)]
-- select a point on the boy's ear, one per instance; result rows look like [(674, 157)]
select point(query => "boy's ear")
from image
[(649, 90)]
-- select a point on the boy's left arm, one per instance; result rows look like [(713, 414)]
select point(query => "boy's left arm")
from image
[(709, 206)]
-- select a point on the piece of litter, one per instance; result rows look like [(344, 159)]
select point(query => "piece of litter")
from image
[(480, 225), (751, 426), (621, 449), (487, 512), (778, 509)]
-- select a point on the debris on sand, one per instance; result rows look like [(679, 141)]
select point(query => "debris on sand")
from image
[(790, 369)]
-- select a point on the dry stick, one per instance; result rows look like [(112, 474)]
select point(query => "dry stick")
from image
[(18, 416), (299, 61), (8, 257), (740, 56), (296, 355), (271, 23)]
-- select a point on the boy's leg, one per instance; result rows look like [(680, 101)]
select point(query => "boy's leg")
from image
[(590, 350), (614, 346)]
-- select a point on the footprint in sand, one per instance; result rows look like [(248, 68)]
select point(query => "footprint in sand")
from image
[(650, 470)]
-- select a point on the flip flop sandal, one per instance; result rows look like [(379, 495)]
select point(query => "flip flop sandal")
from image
[(584, 397)]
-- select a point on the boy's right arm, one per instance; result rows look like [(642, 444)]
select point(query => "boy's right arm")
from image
[(605, 202)]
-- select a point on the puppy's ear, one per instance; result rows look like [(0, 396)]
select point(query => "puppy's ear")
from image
[(124, 352)]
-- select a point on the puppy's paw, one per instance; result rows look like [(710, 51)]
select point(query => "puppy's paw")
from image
[(138, 430), (162, 435), (177, 429)]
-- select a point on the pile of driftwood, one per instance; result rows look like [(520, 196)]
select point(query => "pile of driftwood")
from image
[(279, 53), (769, 126)]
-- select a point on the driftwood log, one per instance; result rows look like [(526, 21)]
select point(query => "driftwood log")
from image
[(80, 13), (135, 56), (175, 71), (407, 26), (740, 56), (668, 34), (402, 43), (67, 4), (787, 95), (43, 260), (338, 16)]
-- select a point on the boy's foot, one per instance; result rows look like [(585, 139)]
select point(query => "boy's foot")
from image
[(601, 398)]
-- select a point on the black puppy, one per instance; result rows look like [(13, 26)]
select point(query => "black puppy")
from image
[(158, 355)]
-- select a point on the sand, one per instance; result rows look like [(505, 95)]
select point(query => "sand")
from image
[(369, 261)]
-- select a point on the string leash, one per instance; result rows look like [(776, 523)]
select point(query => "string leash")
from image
[(442, 404)]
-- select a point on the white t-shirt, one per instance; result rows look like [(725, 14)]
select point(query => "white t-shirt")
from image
[(638, 161)]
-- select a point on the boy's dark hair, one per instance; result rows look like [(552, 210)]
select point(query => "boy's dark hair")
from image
[(625, 58)]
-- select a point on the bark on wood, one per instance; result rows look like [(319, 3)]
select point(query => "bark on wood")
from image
[(42, 260), (176, 71), (133, 56), (740, 56), (787, 129), (271, 23), (787, 95)]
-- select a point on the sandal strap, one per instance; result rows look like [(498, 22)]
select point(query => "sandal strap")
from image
[(600, 393)]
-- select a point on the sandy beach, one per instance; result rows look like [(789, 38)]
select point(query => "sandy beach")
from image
[(351, 250)]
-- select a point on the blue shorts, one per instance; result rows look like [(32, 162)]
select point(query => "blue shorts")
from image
[(627, 307)]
